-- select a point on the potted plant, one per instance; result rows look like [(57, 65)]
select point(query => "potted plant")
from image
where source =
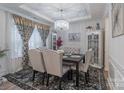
[(2, 54)]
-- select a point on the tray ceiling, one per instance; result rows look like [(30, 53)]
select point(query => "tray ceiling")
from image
[(51, 12)]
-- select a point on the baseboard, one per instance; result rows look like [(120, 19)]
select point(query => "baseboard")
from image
[(115, 75)]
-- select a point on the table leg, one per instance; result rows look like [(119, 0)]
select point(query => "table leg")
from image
[(70, 75), (77, 75)]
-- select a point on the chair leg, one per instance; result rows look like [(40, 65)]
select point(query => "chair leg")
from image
[(60, 80), (86, 80), (88, 74), (47, 80), (33, 75), (70, 74), (43, 78)]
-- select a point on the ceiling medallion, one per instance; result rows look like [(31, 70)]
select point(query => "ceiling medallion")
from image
[(61, 24)]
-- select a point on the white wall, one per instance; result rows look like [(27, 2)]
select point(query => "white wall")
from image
[(78, 27), (116, 58)]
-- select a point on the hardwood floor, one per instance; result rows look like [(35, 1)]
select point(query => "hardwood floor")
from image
[(9, 86)]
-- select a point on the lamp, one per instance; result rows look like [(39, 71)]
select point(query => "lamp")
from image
[(61, 24)]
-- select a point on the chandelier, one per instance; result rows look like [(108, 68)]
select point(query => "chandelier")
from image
[(61, 24)]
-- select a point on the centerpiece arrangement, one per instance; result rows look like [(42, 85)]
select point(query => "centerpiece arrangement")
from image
[(59, 42)]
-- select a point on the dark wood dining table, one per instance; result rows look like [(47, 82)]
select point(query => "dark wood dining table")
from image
[(76, 61)]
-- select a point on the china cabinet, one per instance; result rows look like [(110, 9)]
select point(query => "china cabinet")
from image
[(95, 42)]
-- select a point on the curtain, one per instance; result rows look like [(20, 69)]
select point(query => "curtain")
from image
[(39, 28), (25, 28), (44, 32), (45, 29), (35, 40), (14, 44)]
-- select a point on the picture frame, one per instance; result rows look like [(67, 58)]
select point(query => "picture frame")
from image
[(117, 15), (75, 37)]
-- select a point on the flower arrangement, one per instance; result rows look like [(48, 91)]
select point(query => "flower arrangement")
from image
[(59, 42)]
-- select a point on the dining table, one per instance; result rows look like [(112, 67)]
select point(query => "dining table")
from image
[(75, 59)]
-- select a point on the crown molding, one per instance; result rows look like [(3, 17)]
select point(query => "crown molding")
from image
[(106, 13), (20, 14), (36, 13)]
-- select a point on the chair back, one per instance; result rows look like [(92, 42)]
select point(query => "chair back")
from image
[(53, 62), (88, 60), (72, 50), (36, 59)]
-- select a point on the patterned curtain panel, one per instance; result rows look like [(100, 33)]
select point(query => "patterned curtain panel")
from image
[(44, 32), (39, 28), (25, 28)]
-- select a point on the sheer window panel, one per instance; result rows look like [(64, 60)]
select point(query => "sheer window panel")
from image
[(16, 46), (35, 40)]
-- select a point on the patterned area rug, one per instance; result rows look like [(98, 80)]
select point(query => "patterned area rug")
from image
[(23, 79)]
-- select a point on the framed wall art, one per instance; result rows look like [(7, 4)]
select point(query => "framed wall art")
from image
[(117, 16), (74, 36)]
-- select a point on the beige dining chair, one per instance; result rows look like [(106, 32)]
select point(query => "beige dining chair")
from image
[(84, 66), (53, 64), (37, 62)]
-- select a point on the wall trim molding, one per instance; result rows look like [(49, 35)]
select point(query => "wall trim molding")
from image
[(120, 71), (117, 66)]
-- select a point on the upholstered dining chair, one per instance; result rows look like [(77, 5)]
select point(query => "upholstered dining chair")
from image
[(84, 66), (37, 62), (53, 64)]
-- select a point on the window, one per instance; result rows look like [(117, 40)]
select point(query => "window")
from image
[(35, 40), (17, 43)]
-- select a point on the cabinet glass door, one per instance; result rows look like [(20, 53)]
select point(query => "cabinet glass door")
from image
[(94, 44), (54, 38)]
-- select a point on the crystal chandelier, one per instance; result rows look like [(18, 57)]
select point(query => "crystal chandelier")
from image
[(61, 24)]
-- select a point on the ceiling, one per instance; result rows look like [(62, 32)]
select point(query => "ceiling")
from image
[(52, 12), (49, 12)]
